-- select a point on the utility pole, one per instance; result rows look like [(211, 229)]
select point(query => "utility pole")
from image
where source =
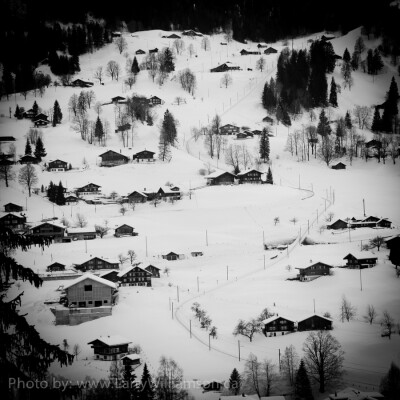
[(227, 273), (314, 305), (239, 348), (279, 356), (360, 279), (177, 293), (190, 328), (364, 207), (146, 246)]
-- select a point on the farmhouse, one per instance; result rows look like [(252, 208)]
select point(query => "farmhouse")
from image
[(166, 192), (270, 50), (13, 221), (225, 67), (155, 272), (244, 52), (71, 199), (110, 347), (144, 156), (90, 291), (137, 197), (370, 222), (40, 120), (155, 50), (140, 51), (393, 244), (276, 324), (241, 135), (117, 99), (86, 233), (11, 207), (135, 276), (47, 229), (133, 360), (220, 178), (339, 165), (313, 271), (173, 36), (192, 33), (171, 256), (213, 386), (314, 322), (29, 113), (262, 46), (96, 263), (90, 188), (229, 129), (360, 259), (125, 230), (338, 224), (111, 158), (268, 120), (81, 83), (155, 101), (196, 253), (57, 165), (27, 159), (250, 176), (55, 267)]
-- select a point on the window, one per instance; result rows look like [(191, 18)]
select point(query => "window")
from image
[(105, 301), (88, 288)]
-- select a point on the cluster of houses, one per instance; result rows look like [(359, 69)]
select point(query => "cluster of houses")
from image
[(112, 158), (240, 133), (38, 119), (151, 101), (364, 222), (267, 51), (228, 178)]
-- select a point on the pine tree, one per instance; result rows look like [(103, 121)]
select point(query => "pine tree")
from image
[(28, 148), (98, 130), (167, 61), (52, 192), (318, 87), (392, 97), (129, 388), (264, 145), (333, 94), (164, 151), (35, 108), (302, 387), (168, 128), (346, 56), (323, 127), (355, 61), (57, 114), (18, 113), (135, 67), (285, 117), (23, 353), (60, 197), (376, 122), (347, 120), (377, 61), (40, 151), (270, 179), (386, 121), (147, 389), (235, 382)]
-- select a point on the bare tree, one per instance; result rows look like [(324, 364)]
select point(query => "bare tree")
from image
[(363, 115), (232, 157), (377, 242), (90, 97), (289, 362), (170, 380), (191, 50), (166, 271), (99, 74), (81, 220), (294, 220), (122, 258), (276, 221), (179, 46), (247, 328), (187, 80), (112, 69), (130, 80), (98, 107), (28, 177), (102, 230), (152, 65), (245, 157), (73, 104), (327, 149), (123, 210), (347, 310), (76, 350), (205, 43), (269, 376), (253, 373), (323, 357), (6, 172), (121, 44), (226, 80), (132, 255), (371, 314), (260, 64), (388, 323)]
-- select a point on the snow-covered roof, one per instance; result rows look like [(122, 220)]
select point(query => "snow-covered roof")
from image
[(249, 170), (273, 318), (310, 264), (48, 222), (354, 394), (167, 189), (131, 357), (217, 174), (86, 229), (112, 340), (362, 254), (126, 270), (137, 191), (272, 398), (82, 258), (92, 277), (306, 316)]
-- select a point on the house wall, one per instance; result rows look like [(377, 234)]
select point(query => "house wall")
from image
[(317, 269), (279, 325), (97, 263), (251, 177), (224, 180), (136, 277), (78, 297), (155, 272), (124, 231), (314, 323), (137, 198), (48, 230)]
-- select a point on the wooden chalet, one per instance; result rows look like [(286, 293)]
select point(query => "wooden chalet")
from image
[(155, 50), (339, 165), (256, 132), (214, 386), (117, 99), (40, 120), (249, 134), (56, 266), (171, 256), (133, 360), (155, 101), (90, 188), (229, 129), (27, 159), (277, 324), (134, 276), (110, 347), (192, 33), (196, 253), (90, 291), (360, 260), (29, 113), (250, 176), (268, 120), (155, 272), (220, 178), (167, 192), (173, 36), (13, 221), (111, 159), (262, 46), (225, 67), (140, 51), (11, 207), (81, 83), (144, 156), (125, 230), (137, 197), (96, 263), (244, 52), (393, 244), (57, 166), (86, 233), (314, 323), (326, 38), (370, 222), (313, 271), (270, 50), (338, 224), (71, 199), (111, 276), (47, 229)]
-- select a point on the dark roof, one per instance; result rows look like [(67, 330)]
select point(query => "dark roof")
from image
[(123, 225), (7, 139), (112, 151)]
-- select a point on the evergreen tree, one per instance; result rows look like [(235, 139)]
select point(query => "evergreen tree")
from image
[(355, 61), (323, 127), (40, 151), (302, 384), (147, 389), (60, 197), (264, 145), (333, 94), (28, 148), (270, 179), (235, 382), (390, 383), (376, 122), (285, 117), (347, 120), (18, 113), (135, 67), (346, 56), (168, 128), (268, 97), (35, 108), (377, 61), (167, 61), (57, 114), (164, 150), (386, 121), (130, 390), (392, 97), (318, 87), (52, 192), (99, 130)]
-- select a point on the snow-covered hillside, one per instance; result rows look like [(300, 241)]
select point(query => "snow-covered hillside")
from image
[(235, 278)]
